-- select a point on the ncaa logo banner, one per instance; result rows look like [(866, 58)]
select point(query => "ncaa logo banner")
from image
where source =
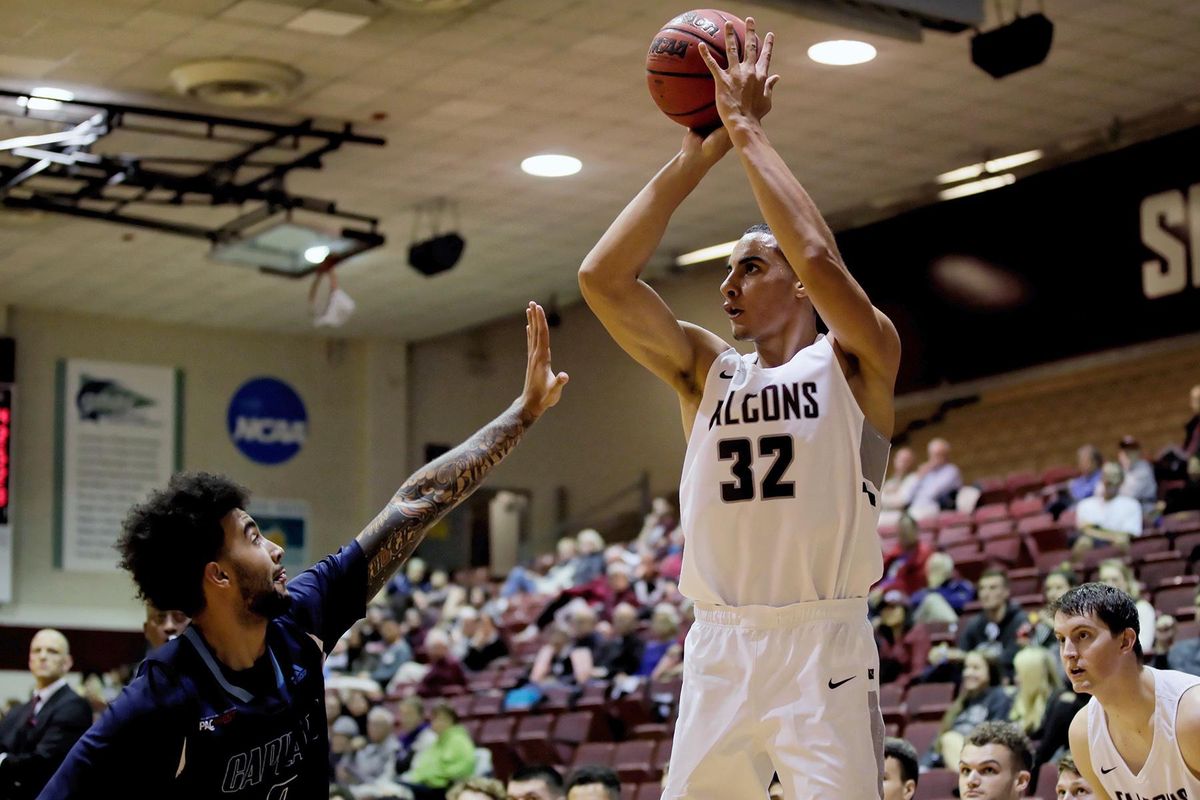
[(267, 421)]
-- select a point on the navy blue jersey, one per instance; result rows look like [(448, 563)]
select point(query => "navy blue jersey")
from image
[(188, 728)]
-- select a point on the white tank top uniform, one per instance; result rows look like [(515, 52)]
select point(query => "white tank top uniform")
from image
[(779, 503), (1164, 776)]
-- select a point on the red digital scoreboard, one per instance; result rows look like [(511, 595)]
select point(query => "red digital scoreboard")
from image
[(5, 440)]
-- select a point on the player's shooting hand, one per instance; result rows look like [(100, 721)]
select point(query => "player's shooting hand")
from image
[(744, 88), (543, 387), (705, 149)]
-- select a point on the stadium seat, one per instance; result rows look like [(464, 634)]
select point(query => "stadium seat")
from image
[(929, 700), (921, 734), (533, 741), (995, 529), (937, 784), (950, 519), (1006, 550), (1176, 601), (962, 550), (1058, 474), (662, 756), (1026, 584), (629, 791), (634, 760), (1026, 507), (1149, 544), (955, 534), (1046, 782), (571, 730), (1049, 560), (1182, 522), (993, 491), (1187, 543), (594, 753), (990, 513), (1154, 573), (1022, 483), (1034, 521), (496, 735), (487, 705), (651, 790)]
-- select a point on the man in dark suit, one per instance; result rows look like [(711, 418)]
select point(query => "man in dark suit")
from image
[(36, 736)]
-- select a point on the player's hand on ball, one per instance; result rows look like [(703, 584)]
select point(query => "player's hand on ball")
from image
[(543, 387), (706, 149), (743, 89)]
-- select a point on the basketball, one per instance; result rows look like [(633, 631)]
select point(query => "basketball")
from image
[(679, 81)]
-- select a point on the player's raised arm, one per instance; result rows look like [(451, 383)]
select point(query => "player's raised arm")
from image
[(442, 484), (743, 94), (610, 277)]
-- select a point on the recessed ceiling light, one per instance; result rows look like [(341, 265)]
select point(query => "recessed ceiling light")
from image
[(316, 254), (992, 166), (975, 187), (841, 52), (45, 98), (710, 253), (551, 166)]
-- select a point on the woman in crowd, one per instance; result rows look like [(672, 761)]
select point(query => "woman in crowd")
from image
[(449, 758), (980, 699), (1117, 574), (1036, 690), (903, 647)]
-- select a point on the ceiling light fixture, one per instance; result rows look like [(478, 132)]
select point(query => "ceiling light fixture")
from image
[(975, 187), (842, 52), (992, 165), (45, 98), (711, 253), (316, 254), (549, 165)]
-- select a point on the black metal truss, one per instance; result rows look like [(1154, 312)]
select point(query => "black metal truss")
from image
[(61, 171)]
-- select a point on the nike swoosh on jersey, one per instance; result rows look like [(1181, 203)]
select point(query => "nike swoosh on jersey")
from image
[(1104, 771), (833, 685)]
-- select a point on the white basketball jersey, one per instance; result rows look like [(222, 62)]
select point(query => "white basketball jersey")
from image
[(779, 498), (1164, 775)]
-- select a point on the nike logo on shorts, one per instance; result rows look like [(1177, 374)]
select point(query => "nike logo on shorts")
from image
[(1104, 771), (833, 685), (726, 377)]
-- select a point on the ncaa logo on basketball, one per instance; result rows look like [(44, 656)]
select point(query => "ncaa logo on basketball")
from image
[(267, 421)]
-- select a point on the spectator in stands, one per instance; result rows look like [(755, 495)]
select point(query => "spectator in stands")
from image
[(590, 564), (444, 669), (1107, 518), (1165, 628), (995, 763), (1041, 622), (357, 707), (903, 647), (901, 772), (569, 659), (434, 597), (536, 782), (621, 655), (604, 593), (994, 630), (1090, 462), (1187, 496), (477, 789), (1172, 461), (937, 482), (1191, 429), (449, 758), (897, 490), (1071, 785), (396, 651), (980, 698), (371, 771), (401, 588), (1185, 656), (945, 595), (36, 736), (1139, 482), (647, 585), (904, 566), (415, 630), (544, 578), (1035, 690), (344, 738), (664, 631), (413, 732), (657, 526), (1117, 574), (161, 627), (593, 783), (487, 643)]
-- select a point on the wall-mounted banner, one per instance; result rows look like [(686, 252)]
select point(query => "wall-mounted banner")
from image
[(267, 421), (118, 438), (285, 522)]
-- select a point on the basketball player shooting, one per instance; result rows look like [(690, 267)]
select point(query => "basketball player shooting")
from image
[(1139, 737), (786, 449), (235, 706)]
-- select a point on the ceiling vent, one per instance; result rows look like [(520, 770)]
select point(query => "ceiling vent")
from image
[(237, 82)]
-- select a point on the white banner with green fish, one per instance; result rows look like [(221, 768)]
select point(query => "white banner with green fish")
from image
[(118, 437)]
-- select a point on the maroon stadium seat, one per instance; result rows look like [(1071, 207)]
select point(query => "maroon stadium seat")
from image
[(594, 753), (937, 784), (962, 550), (995, 529), (1176, 601), (955, 534), (929, 700), (1026, 507), (571, 730), (1182, 522), (1047, 782), (921, 734), (1154, 573), (949, 519), (1025, 584), (533, 741), (990, 513), (1006, 550), (1022, 483), (629, 791), (1035, 521), (634, 760), (1058, 474), (651, 790), (1186, 543), (1150, 544)]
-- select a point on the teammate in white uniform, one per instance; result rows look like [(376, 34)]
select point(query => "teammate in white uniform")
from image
[(1139, 737), (787, 448)]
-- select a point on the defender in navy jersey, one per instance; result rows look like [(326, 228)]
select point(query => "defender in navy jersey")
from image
[(786, 451), (235, 706)]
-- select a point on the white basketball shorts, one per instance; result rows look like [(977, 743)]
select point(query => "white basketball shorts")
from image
[(793, 690)]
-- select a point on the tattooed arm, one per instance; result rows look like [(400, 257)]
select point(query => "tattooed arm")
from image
[(430, 493)]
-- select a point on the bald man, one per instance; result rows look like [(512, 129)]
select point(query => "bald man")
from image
[(36, 736)]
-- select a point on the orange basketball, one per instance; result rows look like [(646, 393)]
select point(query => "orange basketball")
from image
[(679, 81)]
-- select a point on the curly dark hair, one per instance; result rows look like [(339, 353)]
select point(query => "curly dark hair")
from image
[(589, 774), (1008, 736), (167, 541)]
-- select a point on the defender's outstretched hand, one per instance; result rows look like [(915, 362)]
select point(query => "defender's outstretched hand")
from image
[(744, 88), (543, 387)]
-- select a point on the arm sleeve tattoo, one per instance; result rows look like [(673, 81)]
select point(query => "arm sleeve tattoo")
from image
[(431, 492)]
